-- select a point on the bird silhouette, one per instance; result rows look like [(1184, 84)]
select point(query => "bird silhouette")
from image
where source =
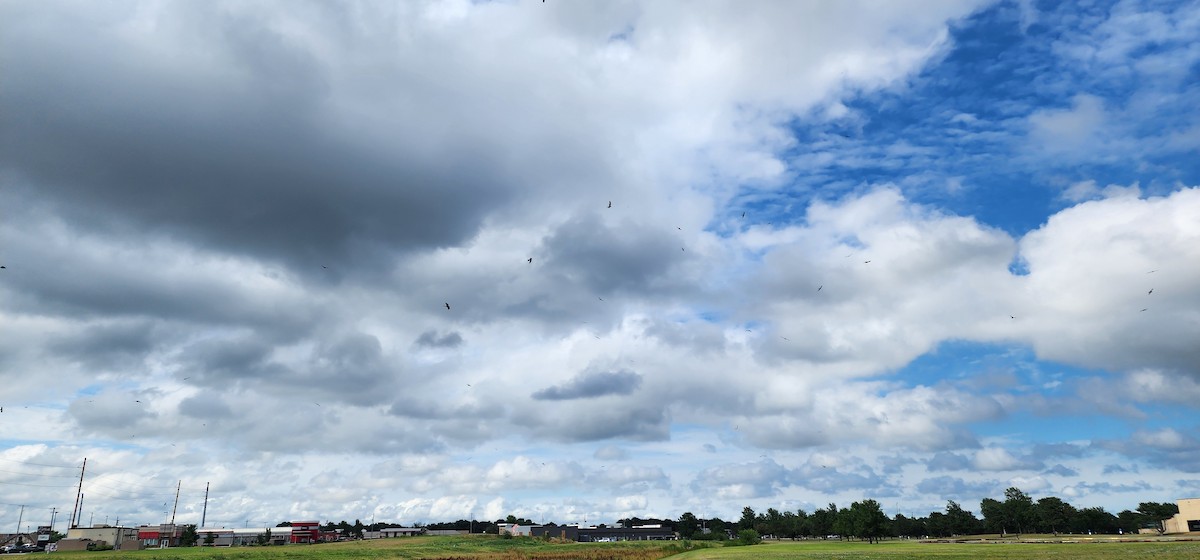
[(610, 204), (530, 260), (819, 287), (1143, 309), (1151, 291), (447, 306), (866, 262)]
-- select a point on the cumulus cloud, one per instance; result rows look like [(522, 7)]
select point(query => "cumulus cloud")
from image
[(591, 385)]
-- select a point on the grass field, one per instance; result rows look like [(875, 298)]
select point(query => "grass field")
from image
[(899, 550), (492, 548), (477, 547)]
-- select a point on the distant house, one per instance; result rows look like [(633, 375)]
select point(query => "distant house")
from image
[(391, 532), (610, 534)]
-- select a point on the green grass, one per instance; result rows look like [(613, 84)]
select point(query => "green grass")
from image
[(897, 550), (426, 548), (492, 548)]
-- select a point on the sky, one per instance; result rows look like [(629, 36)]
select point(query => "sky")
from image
[(581, 261)]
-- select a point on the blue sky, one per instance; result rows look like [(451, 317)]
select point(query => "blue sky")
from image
[(696, 256)]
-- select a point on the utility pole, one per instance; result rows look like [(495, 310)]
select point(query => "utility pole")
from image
[(204, 516), (53, 514), (19, 518), (78, 496), (176, 506)]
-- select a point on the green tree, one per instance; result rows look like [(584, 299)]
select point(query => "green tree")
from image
[(748, 537), (1053, 514), (993, 515), (1017, 510), (822, 521), (748, 518), (209, 538), (961, 521), (189, 536), (687, 525), (867, 520), (1157, 513)]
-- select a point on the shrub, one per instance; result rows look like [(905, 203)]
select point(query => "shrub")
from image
[(748, 537)]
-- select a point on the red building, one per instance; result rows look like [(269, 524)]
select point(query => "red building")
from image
[(305, 532)]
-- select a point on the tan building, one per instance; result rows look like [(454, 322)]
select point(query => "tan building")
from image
[(1188, 518), (104, 534)]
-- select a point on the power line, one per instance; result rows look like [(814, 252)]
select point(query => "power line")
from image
[(34, 485), (38, 464), (71, 476)]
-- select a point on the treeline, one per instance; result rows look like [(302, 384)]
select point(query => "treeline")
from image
[(1018, 513)]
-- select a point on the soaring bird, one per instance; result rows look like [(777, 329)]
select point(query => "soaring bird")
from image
[(530, 260), (1151, 291), (819, 287), (866, 262), (610, 204), (447, 306)]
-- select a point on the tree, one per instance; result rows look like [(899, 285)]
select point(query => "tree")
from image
[(209, 538), (1157, 513), (961, 521), (189, 536), (688, 525), (1094, 520), (822, 521), (748, 518), (748, 536), (993, 515), (867, 520), (264, 539), (1053, 514), (1017, 509)]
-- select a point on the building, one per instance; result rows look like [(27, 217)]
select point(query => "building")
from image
[(306, 532), (566, 532), (1188, 518), (515, 530), (166, 535), (391, 532), (611, 534), (104, 535)]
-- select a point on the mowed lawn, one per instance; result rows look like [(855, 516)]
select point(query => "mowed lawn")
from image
[(897, 550), (493, 548), (477, 547)]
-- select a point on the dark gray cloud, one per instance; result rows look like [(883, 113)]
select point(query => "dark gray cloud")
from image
[(616, 256), (1061, 470), (947, 461), (431, 339), (591, 385), (206, 406), (1113, 469), (244, 158)]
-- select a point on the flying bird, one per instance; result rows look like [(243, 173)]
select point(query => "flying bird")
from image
[(1143, 309), (866, 262), (743, 214), (610, 204), (1151, 291), (447, 306), (819, 287), (530, 260)]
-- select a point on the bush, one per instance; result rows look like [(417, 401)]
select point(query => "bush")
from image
[(748, 537)]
